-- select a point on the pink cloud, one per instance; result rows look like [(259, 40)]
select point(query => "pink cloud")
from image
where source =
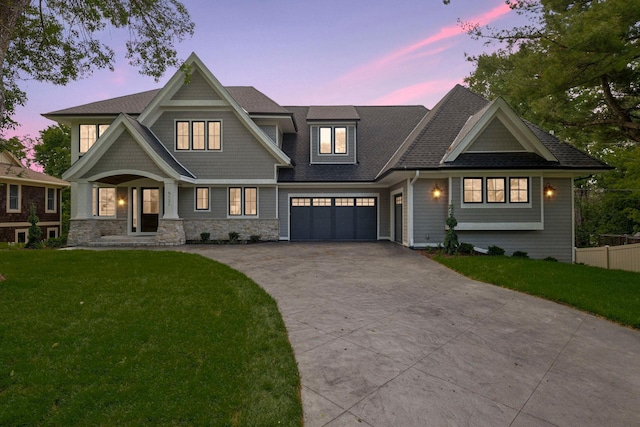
[(376, 67), (410, 94)]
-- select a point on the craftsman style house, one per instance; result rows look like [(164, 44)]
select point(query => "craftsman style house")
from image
[(20, 188), (197, 156)]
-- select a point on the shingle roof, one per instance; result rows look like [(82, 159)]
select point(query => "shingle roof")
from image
[(381, 130), (332, 112), (159, 148), (21, 173), (252, 100), (451, 115)]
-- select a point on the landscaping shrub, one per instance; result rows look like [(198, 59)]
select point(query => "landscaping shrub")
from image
[(495, 251), (205, 236), (451, 238), (233, 237), (550, 258), (57, 242), (465, 249), (35, 233), (520, 254), (255, 238)]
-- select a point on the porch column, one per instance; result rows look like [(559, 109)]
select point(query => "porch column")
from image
[(170, 200), (84, 200)]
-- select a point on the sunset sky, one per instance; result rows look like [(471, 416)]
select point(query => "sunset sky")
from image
[(358, 52)]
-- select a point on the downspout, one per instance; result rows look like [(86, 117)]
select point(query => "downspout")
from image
[(410, 208)]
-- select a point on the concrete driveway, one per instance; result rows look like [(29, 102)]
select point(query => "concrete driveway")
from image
[(385, 337)]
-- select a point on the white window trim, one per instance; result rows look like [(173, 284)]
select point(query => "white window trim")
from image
[(9, 210), (242, 202), (496, 205), (55, 230), (46, 200), (21, 230), (206, 135), (333, 141), (195, 199)]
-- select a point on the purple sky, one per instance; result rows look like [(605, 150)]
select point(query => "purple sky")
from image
[(358, 52)]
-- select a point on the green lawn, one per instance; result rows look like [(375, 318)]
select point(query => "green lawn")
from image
[(612, 294), (140, 337)]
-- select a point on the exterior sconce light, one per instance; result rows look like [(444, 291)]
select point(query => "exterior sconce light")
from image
[(549, 191), (121, 202), (436, 192)]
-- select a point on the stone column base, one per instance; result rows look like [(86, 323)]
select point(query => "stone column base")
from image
[(170, 232), (82, 232)]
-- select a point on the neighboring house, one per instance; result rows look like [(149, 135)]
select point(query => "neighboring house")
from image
[(201, 157), (20, 188)]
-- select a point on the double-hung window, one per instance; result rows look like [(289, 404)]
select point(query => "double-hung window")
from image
[(104, 201), (472, 190), (13, 198), (199, 135), (89, 134), (333, 140), (202, 198), (243, 201), (51, 200)]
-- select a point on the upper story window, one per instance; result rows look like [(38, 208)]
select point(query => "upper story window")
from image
[(13, 198), (333, 140), (50, 200), (89, 134), (199, 135)]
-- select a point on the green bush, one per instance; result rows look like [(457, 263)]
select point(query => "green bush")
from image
[(205, 236), (495, 251), (520, 254), (233, 237), (255, 238), (35, 233), (57, 242), (550, 258), (465, 249)]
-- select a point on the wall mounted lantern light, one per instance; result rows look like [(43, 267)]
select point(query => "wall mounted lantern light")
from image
[(121, 202), (549, 191), (436, 192)]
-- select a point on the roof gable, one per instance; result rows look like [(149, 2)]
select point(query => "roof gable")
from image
[(478, 124), (146, 141), (7, 158), (205, 78)]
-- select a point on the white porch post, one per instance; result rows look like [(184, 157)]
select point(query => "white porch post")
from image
[(83, 201), (170, 200)]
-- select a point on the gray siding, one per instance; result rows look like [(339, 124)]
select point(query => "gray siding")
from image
[(271, 131), (381, 193), (505, 213), (125, 153), (316, 157), (242, 155), (218, 200), (495, 137), (429, 215), (197, 89)]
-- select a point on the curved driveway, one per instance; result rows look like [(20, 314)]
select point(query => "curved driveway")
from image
[(385, 337)]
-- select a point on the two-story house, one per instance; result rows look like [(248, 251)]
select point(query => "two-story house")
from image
[(20, 188), (201, 157)]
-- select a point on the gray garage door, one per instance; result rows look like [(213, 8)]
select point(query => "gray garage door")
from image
[(334, 218)]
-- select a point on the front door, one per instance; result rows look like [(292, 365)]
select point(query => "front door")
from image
[(150, 212), (398, 218)]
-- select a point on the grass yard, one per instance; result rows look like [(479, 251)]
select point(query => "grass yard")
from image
[(612, 294), (140, 337)]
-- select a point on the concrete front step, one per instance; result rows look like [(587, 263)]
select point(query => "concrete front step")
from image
[(120, 241)]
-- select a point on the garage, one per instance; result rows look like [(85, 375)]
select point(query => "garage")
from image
[(334, 218)]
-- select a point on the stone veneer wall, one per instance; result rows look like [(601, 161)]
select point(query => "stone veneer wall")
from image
[(170, 232), (112, 227), (82, 231), (267, 229)]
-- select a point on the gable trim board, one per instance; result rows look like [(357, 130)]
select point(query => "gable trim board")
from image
[(390, 150)]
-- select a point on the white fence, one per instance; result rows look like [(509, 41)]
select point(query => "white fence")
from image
[(625, 257)]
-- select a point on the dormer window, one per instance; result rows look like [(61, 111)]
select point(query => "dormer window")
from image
[(333, 140)]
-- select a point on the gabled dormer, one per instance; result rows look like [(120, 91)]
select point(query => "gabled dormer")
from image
[(333, 134), (496, 129)]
